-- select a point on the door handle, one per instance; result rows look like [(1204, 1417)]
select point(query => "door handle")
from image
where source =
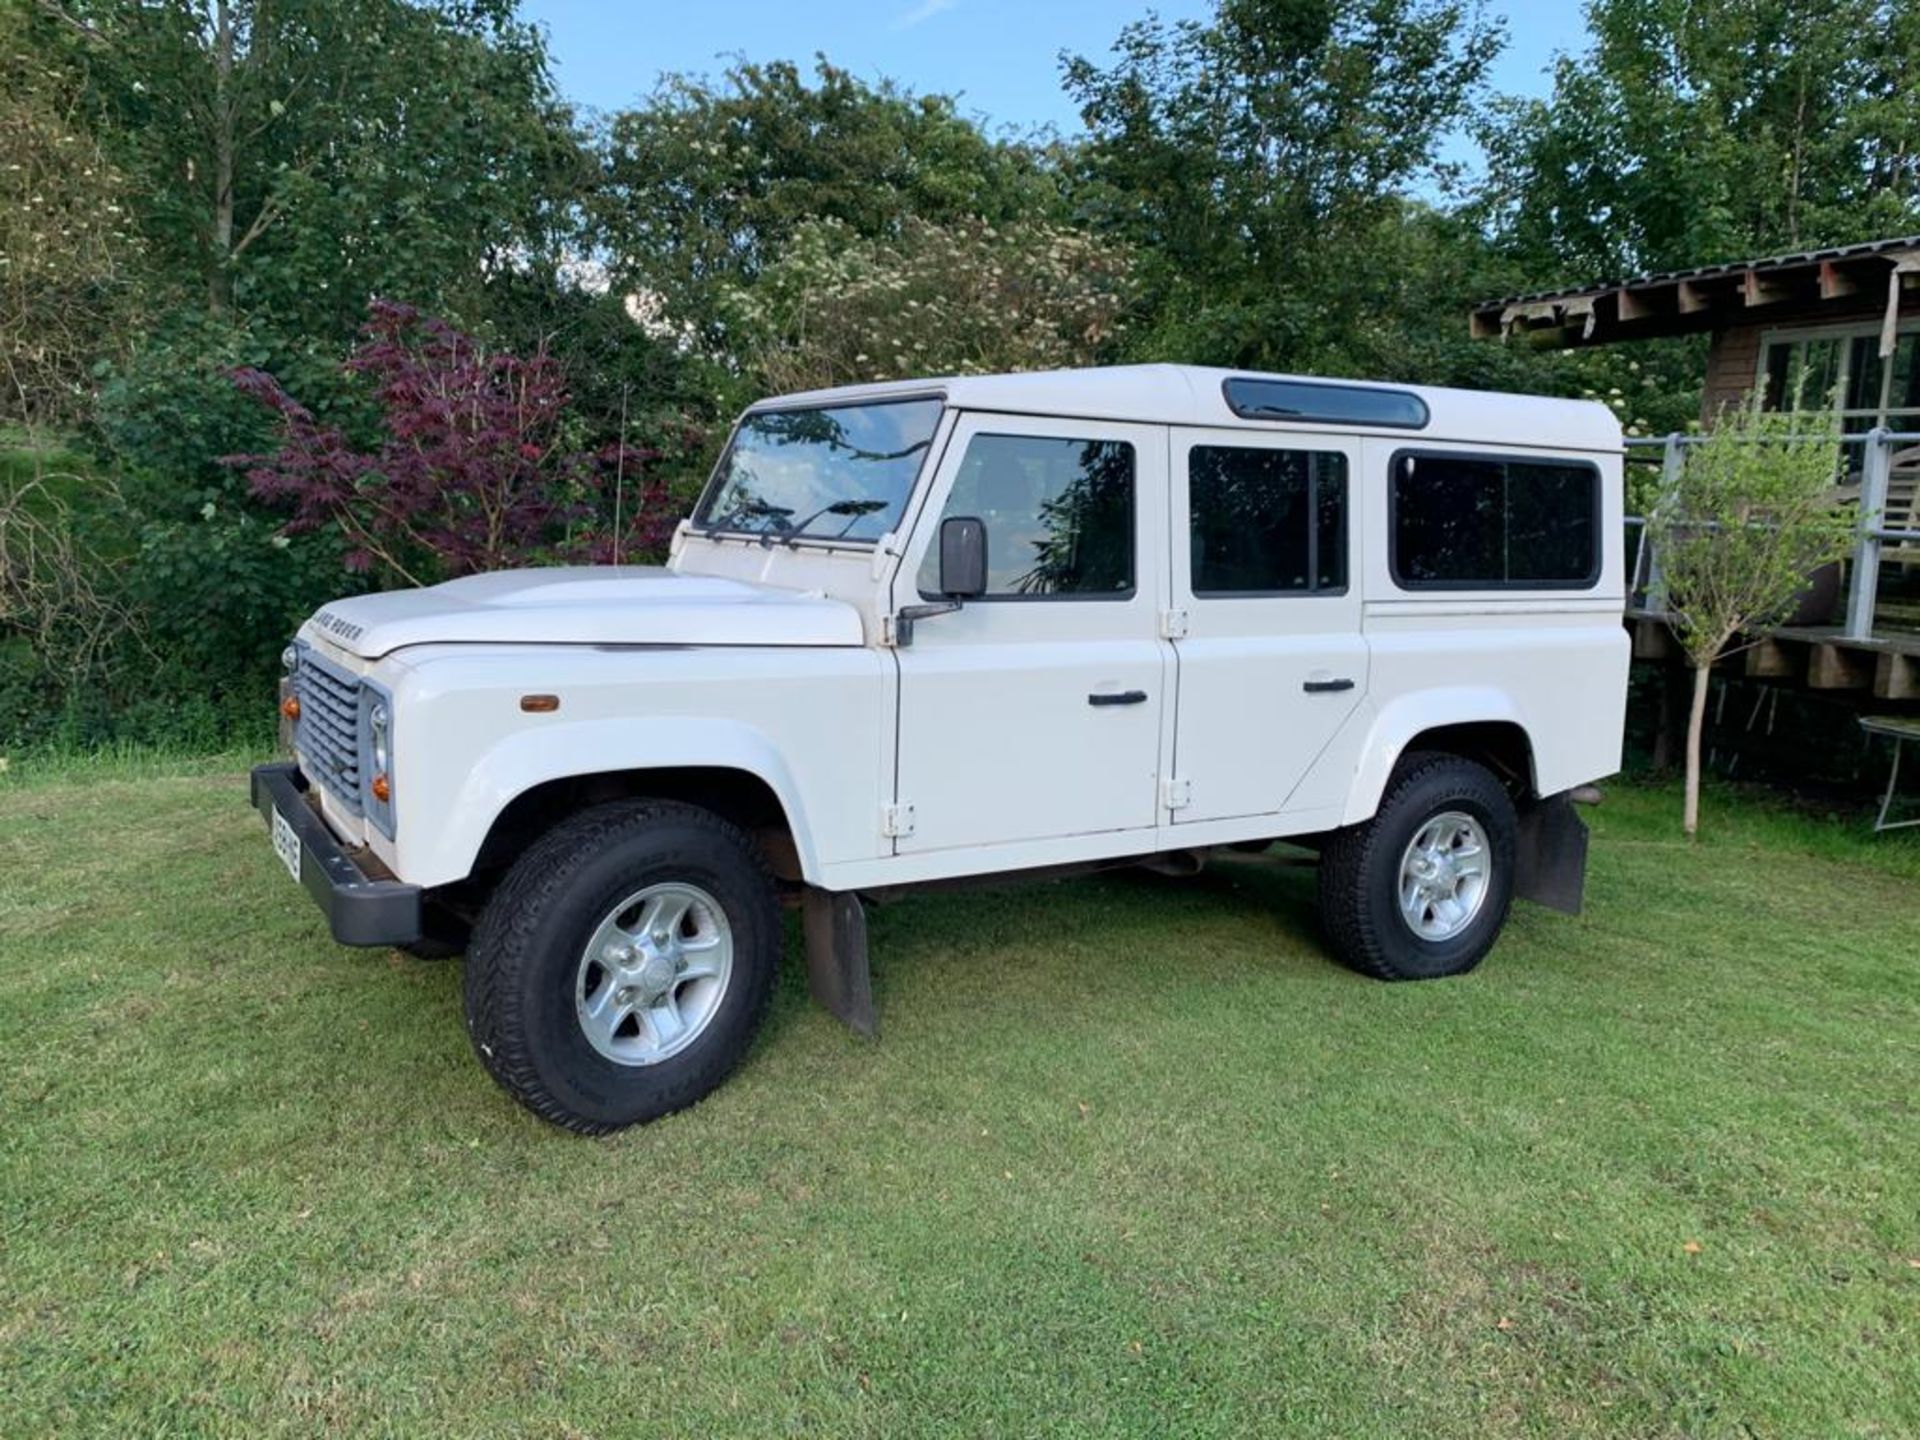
[(1117, 697), (1322, 687)]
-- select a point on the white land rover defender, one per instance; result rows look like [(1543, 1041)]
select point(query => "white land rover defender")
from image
[(929, 630)]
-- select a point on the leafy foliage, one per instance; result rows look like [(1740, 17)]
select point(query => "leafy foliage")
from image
[(1254, 159), (1700, 130), (55, 592), (1751, 514), (69, 260), (477, 467), (295, 157), (967, 298), (707, 183), (220, 590)]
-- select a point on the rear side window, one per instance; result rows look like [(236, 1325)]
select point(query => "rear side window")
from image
[(1058, 512), (1473, 522), (1266, 521)]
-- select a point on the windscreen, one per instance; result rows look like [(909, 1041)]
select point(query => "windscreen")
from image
[(827, 473)]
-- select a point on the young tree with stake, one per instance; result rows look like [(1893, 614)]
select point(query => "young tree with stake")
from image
[(1750, 516)]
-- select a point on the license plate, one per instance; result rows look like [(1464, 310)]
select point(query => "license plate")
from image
[(286, 844)]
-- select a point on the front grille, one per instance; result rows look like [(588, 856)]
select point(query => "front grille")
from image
[(327, 734)]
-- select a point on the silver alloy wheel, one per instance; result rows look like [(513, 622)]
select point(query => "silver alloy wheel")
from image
[(652, 977), (1445, 874)]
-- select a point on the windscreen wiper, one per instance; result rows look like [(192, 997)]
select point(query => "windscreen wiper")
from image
[(755, 509), (852, 509)]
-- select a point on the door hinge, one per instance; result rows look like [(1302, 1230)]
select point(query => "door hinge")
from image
[(1176, 794), (1173, 624), (896, 821)]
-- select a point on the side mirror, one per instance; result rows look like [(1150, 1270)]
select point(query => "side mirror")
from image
[(963, 574), (963, 557)]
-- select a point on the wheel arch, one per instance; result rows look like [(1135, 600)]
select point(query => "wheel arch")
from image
[(523, 786), (736, 795), (1502, 746), (1479, 725)]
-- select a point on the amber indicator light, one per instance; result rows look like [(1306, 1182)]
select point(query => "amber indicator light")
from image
[(539, 704)]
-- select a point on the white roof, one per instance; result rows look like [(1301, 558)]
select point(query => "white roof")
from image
[(1192, 395)]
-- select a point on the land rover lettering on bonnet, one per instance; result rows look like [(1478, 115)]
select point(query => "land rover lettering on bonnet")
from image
[(921, 632)]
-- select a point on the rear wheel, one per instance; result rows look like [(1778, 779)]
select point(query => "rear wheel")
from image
[(1421, 890), (620, 970)]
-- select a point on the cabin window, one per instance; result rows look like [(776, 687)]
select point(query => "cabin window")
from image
[(1842, 370), (1477, 522), (1058, 512), (1254, 397), (1266, 521)]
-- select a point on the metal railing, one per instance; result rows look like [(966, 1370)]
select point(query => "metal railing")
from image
[(1874, 469)]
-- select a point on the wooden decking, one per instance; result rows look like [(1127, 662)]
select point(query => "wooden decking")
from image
[(1817, 657)]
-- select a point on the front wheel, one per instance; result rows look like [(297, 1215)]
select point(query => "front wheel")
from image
[(620, 970), (1422, 889)]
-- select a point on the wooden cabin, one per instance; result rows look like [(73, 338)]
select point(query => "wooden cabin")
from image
[(1815, 323), (1841, 323)]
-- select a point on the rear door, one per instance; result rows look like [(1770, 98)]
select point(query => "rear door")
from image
[(1271, 662)]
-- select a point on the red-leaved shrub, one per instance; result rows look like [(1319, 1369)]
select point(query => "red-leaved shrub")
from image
[(478, 466)]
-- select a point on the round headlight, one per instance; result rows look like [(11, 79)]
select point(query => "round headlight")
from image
[(377, 721), (290, 659)]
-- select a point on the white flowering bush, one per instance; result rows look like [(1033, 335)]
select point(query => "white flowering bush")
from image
[(967, 298)]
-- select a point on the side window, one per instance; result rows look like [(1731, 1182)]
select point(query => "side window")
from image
[(1266, 522), (1058, 512), (1473, 522)]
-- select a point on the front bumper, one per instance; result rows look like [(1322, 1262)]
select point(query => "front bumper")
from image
[(360, 910)]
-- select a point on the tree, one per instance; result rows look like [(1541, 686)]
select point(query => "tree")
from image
[(1700, 130), (705, 185), (1261, 164), (837, 309), (477, 469), (1750, 516), (69, 262), (294, 157)]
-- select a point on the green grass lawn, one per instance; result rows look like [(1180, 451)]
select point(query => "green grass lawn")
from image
[(1131, 1157)]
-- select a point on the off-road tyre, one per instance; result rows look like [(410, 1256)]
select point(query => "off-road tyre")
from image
[(521, 967), (1360, 872)]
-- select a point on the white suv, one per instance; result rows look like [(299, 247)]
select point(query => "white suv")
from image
[(929, 630)]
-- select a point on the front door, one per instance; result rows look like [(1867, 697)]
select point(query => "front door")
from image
[(1272, 663), (1035, 712)]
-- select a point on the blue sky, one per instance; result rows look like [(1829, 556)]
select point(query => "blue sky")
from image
[(1000, 56)]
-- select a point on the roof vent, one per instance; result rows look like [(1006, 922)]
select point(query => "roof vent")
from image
[(1252, 398)]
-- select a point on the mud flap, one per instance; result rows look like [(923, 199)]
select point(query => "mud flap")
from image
[(1550, 855), (836, 933)]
